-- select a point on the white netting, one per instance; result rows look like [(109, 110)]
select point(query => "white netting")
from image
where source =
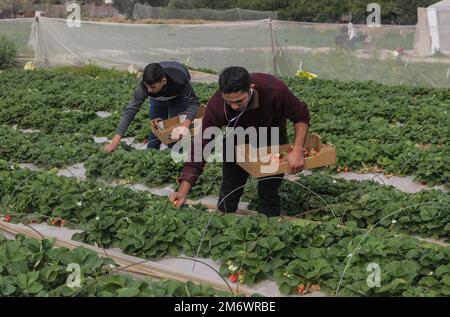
[(213, 46), (388, 54), (141, 11), (18, 31)]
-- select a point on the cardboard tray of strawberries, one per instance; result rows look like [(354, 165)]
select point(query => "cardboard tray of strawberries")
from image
[(262, 162)]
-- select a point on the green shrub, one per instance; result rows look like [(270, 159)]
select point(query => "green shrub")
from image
[(7, 53)]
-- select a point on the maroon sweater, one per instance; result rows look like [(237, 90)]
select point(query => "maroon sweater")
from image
[(272, 104)]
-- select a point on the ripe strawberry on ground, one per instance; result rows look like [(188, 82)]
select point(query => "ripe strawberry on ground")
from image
[(7, 218), (346, 169)]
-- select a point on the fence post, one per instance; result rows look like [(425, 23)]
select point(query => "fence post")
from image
[(272, 39)]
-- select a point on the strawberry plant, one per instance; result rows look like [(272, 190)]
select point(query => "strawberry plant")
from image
[(29, 267)]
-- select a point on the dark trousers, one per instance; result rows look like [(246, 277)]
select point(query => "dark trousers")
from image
[(233, 183)]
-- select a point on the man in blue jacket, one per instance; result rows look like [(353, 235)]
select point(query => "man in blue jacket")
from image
[(169, 88)]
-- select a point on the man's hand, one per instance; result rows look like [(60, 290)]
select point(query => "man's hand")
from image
[(181, 131), (296, 161), (179, 198), (111, 147)]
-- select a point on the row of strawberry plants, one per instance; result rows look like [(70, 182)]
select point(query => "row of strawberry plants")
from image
[(46, 149), (390, 152), (362, 202), (64, 89), (338, 108), (291, 253), (152, 167), (31, 267), (65, 101), (375, 111), (400, 130), (426, 213)]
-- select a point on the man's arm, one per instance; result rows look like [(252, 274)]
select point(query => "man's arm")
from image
[(193, 103), (193, 169), (139, 96), (296, 159), (298, 112)]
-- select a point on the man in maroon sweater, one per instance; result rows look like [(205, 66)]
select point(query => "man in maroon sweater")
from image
[(249, 100)]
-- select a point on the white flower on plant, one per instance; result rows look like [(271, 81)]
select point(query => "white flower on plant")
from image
[(232, 268), (349, 255), (112, 266), (79, 203), (394, 221), (97, 218), (12, 167), (431, 273), (334, 181)]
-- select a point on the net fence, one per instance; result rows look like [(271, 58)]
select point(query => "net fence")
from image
[(395, 55), (141, 11)]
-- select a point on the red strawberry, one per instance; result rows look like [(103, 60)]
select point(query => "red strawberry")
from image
[(233, 278), (301, 289), (338, 169), (62, 223), (346, 169), (54, 222), (7, 218)]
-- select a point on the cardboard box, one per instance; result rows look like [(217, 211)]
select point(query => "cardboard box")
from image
[(250, 158), (165, 136)]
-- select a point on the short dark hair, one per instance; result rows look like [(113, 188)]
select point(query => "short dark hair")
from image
[(234, 79), (153, 73)]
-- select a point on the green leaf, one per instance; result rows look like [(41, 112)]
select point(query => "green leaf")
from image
[(446, 280), (50, 273), (427, 281), (7, 285), (128, 292), (273, 244), (285, 288), (28, 282), (445, 290)]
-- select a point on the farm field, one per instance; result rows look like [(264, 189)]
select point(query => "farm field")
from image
[(54, 122)]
